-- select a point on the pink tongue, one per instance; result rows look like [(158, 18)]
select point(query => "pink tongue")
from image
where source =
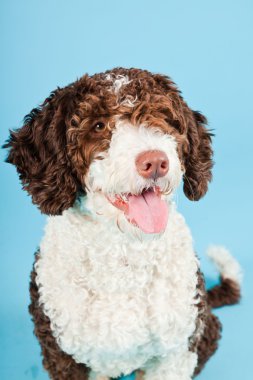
[(148, 211)]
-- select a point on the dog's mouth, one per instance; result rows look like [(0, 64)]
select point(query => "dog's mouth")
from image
[(146, 210)]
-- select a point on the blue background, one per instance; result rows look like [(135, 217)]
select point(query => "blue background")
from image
[(207, 48)]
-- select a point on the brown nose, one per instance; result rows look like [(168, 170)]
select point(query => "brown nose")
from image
[(152, 164)]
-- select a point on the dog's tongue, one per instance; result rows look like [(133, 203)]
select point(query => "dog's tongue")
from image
[(148, 211)]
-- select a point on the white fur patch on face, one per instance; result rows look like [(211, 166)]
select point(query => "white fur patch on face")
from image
[(116, 173)]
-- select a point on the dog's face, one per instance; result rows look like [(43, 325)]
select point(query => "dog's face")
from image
[(124, 137), (132, 179)]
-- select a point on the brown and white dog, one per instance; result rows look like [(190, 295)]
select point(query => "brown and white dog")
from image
[(116, 286)]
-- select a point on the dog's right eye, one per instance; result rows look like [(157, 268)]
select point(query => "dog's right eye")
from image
[(99, 127)]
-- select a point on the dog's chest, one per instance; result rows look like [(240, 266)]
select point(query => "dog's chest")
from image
[(111, 299)]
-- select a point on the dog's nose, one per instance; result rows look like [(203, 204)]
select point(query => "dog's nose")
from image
[(152, 164)]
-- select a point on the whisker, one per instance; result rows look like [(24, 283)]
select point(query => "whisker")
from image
[(167, 191), (118, 225)]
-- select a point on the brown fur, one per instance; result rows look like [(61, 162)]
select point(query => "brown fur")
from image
[(206, 343), (227, 293), (54, 148)]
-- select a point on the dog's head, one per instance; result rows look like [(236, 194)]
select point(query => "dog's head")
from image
[(124, 137)]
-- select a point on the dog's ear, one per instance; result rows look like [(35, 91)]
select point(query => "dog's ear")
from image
[(198, 160), (39, 151)]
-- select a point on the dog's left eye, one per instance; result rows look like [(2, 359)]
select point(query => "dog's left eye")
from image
[(99, 127)]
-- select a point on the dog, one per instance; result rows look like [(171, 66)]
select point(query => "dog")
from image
[(116, 286)]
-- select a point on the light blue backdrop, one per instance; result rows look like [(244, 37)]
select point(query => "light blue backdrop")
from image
[(206, 47)]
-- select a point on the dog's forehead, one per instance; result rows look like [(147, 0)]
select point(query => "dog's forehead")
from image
[(137, 96)]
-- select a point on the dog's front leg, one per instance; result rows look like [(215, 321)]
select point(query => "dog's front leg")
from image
[(178, 365)]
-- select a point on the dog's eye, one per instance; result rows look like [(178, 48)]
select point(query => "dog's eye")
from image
[(99, 127)]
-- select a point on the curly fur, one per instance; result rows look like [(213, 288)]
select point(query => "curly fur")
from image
[(106, 299), (59, 365), (55, 147)]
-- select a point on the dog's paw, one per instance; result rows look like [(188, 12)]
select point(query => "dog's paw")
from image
[(97, 376), (139, 375)]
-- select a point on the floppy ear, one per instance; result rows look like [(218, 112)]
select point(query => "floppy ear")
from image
[(198, 161), (39, 151)]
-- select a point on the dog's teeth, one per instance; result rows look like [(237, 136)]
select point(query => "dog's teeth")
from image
[(121, 197)]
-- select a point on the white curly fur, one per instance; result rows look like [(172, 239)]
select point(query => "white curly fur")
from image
[(116, 172), (119, 81), (228, 267), (119, 300)]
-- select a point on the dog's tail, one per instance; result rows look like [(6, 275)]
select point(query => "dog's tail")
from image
[(228, 292)]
